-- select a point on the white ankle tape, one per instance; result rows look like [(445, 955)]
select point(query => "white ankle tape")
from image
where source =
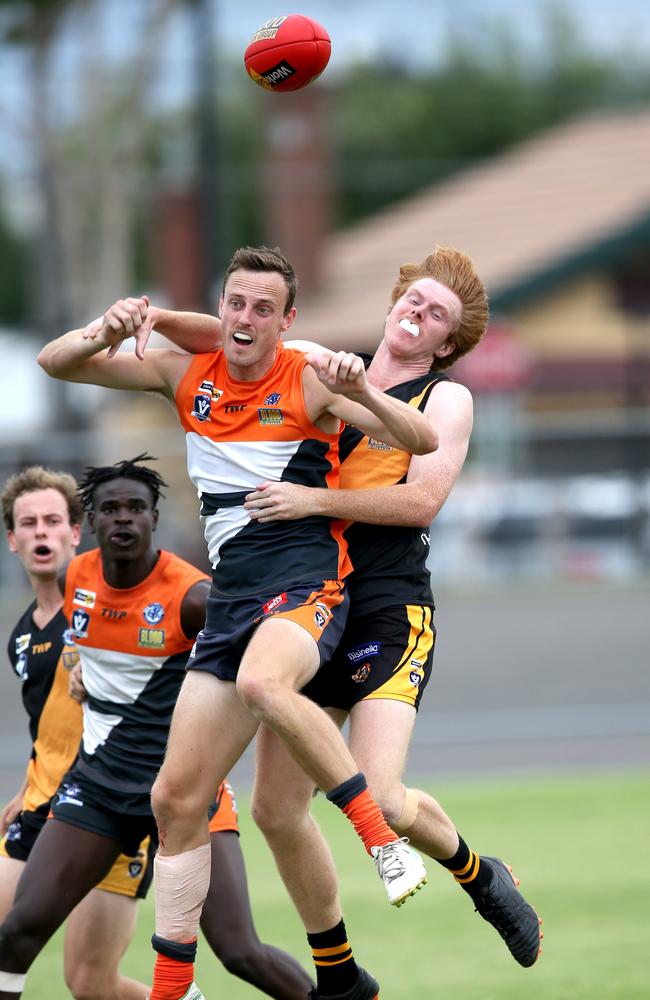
[(181, 883), (12, 982)]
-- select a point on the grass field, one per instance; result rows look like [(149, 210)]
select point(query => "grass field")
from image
[(580, 844)]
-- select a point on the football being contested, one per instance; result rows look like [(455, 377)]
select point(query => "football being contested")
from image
[(287, 53)]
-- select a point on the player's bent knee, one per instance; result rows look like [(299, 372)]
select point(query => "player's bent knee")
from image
[(260, 695), (90, 983), (271, 816)]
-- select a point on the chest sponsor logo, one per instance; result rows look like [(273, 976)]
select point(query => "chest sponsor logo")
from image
[(270, 415), (79, 624), (151, 638), (21, 667), (113, 614), (274, 604), (153, 613), (22, 643), (41, 647), (273, 399), (361, 674), (376, 445), (363, 652), (85, 598), (234, 407), (70, 657)]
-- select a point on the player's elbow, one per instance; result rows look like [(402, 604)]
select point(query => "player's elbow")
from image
[(427, 442), (47, 360)]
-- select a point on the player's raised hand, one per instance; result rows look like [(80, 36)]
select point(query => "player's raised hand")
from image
[(132, 317), (340, 372)]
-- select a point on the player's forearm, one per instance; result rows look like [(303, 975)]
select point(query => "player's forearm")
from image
[(65, 355), (196, 333), (403, 505), (407, 427)]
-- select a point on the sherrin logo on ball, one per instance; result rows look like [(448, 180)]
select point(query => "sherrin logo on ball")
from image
[(287, 53)]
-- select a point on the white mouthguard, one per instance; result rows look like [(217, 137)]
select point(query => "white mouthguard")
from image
[(411, 328)]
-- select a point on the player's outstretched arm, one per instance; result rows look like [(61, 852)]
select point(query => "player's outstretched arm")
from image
[(79, 357), (351, 398), (412, 504), (196, 333)]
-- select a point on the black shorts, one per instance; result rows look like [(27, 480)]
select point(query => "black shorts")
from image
[(81, 802), (387, 654), (320, 608), (130, 875)]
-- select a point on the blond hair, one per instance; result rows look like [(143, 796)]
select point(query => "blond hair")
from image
[(454, 269), (37, 478)]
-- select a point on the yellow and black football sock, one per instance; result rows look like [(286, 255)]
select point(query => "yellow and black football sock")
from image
[(336, 970), (468, 869)]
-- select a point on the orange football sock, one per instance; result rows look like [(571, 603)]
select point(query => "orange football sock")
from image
[(171, 978), (367, 819)]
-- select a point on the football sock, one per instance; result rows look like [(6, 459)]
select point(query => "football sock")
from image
[(471, 873), (355, 800), (336, 970), (173, 972)]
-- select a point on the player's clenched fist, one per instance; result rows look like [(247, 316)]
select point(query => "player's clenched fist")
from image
[(125, 318), (339, 371)]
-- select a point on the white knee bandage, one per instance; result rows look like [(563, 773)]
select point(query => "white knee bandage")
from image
[(12, 982), (181, 883), (409, 812)]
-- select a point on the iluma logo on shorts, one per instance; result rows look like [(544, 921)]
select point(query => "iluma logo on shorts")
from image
[(361, 652)]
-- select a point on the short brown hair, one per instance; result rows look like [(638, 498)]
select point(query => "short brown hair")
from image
[(454, 269), (35, 477), (265, 259)]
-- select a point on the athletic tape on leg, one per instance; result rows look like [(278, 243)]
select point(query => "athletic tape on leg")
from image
[(181, 883), (409, 812), (12, 982)]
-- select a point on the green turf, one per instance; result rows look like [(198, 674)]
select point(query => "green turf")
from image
[(580, 845)]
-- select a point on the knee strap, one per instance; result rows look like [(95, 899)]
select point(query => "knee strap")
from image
[(410, 811)]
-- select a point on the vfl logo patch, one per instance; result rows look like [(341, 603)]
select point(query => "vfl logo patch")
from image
[(202, 405), (151, 638), (21, 666), (361, 652), (270, 415), (153, 613), (86, 598), (79, 624), (362, 674), (273, 399), (274, 604), (415, 677), (135, 869), (321, 614)]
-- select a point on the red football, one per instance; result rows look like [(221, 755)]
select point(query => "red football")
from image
[(287, 52)]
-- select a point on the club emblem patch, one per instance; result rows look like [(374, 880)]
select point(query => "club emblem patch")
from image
[(154, 613)]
